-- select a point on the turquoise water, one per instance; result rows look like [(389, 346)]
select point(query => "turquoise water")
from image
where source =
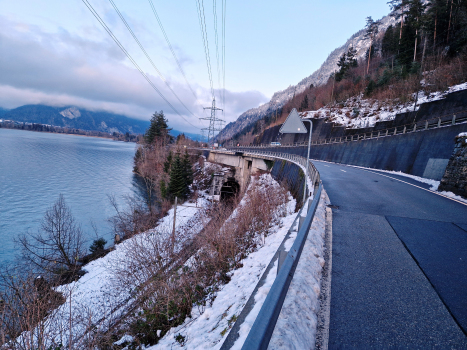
[(36, 167)]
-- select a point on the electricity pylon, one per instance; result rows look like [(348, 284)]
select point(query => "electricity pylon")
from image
[(212, 121)]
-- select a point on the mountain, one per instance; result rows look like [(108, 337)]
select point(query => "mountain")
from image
[(76, 118), (2, 111), (358, 41)]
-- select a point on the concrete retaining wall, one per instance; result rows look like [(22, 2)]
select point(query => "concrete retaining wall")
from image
[(424, 153)]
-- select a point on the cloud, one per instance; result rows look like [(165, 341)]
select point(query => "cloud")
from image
[(61, 69)]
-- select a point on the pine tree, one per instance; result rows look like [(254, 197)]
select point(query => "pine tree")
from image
[(163, 189), (371, 32), (158, 128), (177, 184), (187, 170), (168, 162), (304, 104)]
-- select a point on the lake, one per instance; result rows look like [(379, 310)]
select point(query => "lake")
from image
[(36, 167)]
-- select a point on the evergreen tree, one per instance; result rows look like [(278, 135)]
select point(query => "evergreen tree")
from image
[(304, 104), (187, 170), (346, 61), (168, 162), (177, 184), (163, 189), (158, 128), (372, 28)]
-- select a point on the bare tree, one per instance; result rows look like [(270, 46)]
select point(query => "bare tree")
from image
[(58, 245)]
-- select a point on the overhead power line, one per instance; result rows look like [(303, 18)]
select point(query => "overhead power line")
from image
[(214, 8), (107, 29), (147, 56), (202, 24), (224, 8), (170, 47)]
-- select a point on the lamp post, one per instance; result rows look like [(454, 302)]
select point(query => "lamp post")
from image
[(294, 125), (307, 158)]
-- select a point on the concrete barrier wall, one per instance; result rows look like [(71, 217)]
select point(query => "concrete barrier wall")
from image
[(422, 153)]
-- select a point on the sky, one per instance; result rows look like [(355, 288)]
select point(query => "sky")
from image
[(57, 53)]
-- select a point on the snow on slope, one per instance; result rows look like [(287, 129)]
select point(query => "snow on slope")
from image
[(358, 112), (319, 77), (208, 327)]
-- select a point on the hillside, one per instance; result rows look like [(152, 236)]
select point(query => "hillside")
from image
[(319, 77), (77, 118)]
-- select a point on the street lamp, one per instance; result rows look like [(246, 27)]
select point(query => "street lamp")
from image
[(294, 125)]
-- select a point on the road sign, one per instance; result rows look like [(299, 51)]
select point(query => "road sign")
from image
[(293, 124)]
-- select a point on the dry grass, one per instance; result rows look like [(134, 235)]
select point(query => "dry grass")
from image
[(170, 281)]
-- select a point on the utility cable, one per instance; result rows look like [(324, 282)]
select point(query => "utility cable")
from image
[(214, 8), (170, 47), (224, 7), (107, 29), (147, 56), (202, 24)]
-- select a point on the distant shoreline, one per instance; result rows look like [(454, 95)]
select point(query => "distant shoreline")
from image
[(51, 129)]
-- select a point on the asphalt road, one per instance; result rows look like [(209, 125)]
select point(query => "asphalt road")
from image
[(399, 271)]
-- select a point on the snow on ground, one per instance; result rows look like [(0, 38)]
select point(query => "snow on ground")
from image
[(462, 134), (358, 112), (296, 325), (209, 327), (94, 295)]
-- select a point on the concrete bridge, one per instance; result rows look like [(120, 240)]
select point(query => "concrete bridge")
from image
[(243, 167)]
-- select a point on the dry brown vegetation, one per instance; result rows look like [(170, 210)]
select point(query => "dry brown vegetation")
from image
[(168, 282)]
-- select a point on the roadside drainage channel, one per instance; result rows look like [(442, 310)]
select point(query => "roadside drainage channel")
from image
[(263, 327)]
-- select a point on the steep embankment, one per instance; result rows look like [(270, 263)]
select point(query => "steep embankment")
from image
[(358, 41)]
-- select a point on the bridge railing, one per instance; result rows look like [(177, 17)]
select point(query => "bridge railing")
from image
[(263, 327)]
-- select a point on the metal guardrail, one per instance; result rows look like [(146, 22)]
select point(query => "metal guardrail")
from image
[(434, 123), (263, 327), (261, 331)]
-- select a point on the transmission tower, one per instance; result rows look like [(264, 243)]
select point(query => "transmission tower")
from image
[(214, 123)]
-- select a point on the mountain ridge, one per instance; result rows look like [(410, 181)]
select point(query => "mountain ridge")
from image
[(319, 77)]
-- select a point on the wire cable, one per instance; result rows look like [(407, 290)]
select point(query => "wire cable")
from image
[(214, 8), (170, 47), (202, 24), (107, 29), (224, 7), (147, 56)]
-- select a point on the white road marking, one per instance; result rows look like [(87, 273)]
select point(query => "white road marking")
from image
[(343, 170), (435, 192), (378, 173)]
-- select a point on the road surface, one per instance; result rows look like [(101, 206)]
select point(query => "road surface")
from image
[(399, 271)]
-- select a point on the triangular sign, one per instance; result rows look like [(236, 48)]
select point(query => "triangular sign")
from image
[(293, 124)]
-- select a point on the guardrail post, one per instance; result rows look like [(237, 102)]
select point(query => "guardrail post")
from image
[(426, 125), (387, 132), (453, 119), (371, 135), (340, 139), (415, 127), (439, 122), (405, 129), (379, 133), (395, 130)]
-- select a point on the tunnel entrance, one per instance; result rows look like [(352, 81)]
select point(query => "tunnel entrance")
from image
[(229, 189)]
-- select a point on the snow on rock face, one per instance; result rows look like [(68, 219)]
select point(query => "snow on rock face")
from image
[(71, 113), (319, 77), (358, 112)]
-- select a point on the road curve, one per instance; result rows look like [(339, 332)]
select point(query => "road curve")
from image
[(399, 273)]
